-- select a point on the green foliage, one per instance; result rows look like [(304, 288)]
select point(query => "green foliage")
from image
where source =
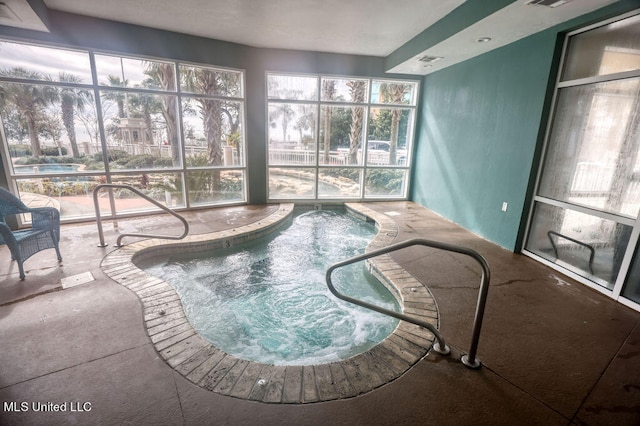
[(54, 188), (24, 161), (143, 161), (113, 155), (54, 151), (197, 160), (20, 150), (380, 126), (384, 181), (353, 174)]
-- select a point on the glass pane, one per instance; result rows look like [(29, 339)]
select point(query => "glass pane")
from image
[(344, 90), (393, 92), (292, 133), (48, 125), (389, 136), (605, 50), (43, 63), (593, 150), (292, 87), (291, 183), (165, 188), (632, 288), (341, 132), (208, 187), (71, 195), (213, 132), (211, 81), (585, 244), (141, 130), (116, 71), (385, 183), (339, 183)]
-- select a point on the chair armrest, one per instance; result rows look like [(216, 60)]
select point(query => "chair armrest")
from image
[(7, 237), (45, 218)]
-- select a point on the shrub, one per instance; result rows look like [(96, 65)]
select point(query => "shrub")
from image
[(24, 161), (54, 151), (140, 162), (20, 150), (115, 155)]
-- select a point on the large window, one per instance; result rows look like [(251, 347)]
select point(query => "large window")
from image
[(74, 119), (585, 216), (339, 137)]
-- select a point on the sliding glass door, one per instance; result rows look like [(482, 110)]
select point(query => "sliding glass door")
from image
[(585, 212)]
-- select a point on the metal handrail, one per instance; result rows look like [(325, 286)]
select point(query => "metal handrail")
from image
[(146, 197), (440, 346)]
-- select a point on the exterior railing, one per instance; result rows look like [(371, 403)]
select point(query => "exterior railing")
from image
[(440, 346), (146, 197)]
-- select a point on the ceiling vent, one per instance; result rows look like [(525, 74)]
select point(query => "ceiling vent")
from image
[(429, 59), (547, 3), (7, 14)]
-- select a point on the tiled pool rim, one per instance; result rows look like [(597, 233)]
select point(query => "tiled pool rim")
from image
[(211, 368)]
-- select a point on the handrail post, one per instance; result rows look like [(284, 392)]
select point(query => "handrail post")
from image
[(147, 198), (96, 206), (470, 359)]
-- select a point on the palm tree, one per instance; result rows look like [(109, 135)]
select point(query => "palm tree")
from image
[(164, 75), (394, 93), (357, 91), (118, 97), (328, 92), (306, 122), (72, 100), (284, 112), (28, 99), (145, 106), (208, 82)]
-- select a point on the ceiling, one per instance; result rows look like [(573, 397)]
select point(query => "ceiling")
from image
[(361, 27)]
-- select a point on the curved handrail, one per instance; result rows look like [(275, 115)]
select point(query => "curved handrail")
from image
[(146, 197), (470, 359)]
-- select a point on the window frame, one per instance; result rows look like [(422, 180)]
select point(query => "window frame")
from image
[(109, 173), (362, 168), (616, 292)]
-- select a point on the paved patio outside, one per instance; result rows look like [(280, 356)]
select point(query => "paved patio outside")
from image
[(553, 350)]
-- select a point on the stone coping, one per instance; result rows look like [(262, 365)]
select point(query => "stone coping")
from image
[(211, 368)]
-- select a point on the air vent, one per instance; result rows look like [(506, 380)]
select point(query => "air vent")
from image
[(7, 14), (430, 59), (547, 3)]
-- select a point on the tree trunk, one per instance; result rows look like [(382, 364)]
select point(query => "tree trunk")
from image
[(393, 144), (33, 137), (67, 119), (357, 89), (327, 134)]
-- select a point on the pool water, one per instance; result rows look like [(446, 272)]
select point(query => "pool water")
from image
[(46, 168), (267, 301)]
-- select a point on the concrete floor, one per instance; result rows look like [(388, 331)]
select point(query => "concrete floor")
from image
[(553, 350)]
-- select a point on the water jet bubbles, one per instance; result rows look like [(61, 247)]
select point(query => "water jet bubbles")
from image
[(268, 300)]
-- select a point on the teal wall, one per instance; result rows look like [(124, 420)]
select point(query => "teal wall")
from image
[(479, 125), (481, 129)]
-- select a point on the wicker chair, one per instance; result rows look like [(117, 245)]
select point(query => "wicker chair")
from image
[(44, 233)]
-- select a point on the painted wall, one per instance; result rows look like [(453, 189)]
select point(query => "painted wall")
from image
[(478, 133), (481, 129)]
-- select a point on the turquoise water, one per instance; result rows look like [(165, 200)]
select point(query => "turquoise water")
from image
[(46, 168), (267, 301)]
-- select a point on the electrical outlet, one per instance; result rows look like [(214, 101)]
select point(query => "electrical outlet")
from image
[(504, 206)]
